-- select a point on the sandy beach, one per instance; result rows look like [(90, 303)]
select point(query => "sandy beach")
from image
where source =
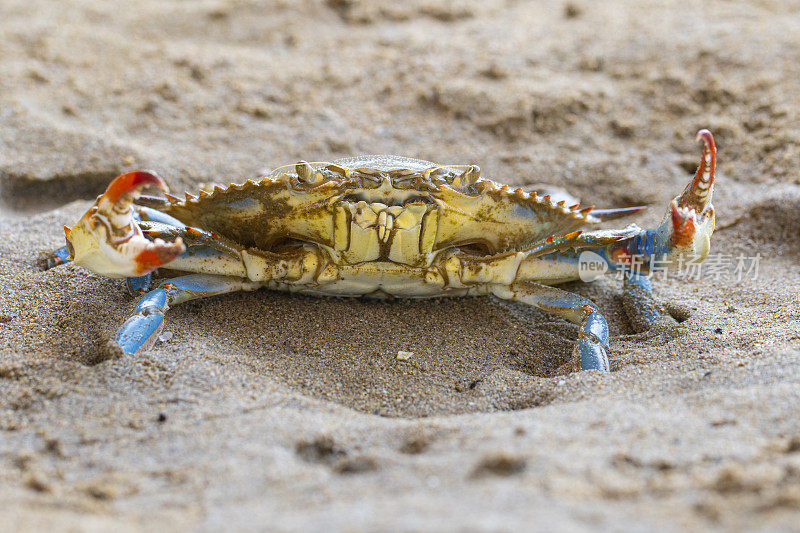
[(265, 411)]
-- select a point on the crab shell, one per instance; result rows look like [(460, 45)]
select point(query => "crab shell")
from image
[(379, 209)]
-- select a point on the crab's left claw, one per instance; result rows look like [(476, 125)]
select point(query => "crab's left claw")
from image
[(684, 235), (697, 194), (107, 239), (689, 222)]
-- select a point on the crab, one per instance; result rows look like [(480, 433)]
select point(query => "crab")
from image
[(383, 226)]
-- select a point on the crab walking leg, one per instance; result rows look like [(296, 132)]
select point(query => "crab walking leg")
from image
[(138, 285), (644, 312), (640, 305), (189, 235), (593, 336), (58, 257), (205, 252), (141, 330)]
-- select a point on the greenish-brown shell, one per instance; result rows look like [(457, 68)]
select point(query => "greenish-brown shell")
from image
[(281, 207)]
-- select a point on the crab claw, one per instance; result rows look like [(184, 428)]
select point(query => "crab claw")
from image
[(697, 194), (107, 239), (684, 234), (684, 224), (689, 222)]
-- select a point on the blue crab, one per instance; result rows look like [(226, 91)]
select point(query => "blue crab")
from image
[(382, 226)]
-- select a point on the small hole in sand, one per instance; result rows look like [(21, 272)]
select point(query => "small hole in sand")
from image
[(500, 465)]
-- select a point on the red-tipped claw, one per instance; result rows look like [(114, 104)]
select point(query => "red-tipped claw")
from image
[(130, 185), (684, 222), (108, 240), (158, 253), (690, 219), (684, 234), (697, 194)]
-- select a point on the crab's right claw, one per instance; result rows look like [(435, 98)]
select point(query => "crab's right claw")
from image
[(107, 239)]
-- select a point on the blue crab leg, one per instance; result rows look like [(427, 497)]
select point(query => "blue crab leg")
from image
[(640, 305), (138, 285), (142, 328), (644, 312), (189, 235), (592, 342), (58, 257), (155, 224)]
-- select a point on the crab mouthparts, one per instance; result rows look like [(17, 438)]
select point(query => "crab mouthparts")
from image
[(376, 231)]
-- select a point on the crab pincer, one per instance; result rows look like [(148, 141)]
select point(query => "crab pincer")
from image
[(108, 240), (682, 238), (684, 235), (690, 219), (693, 206)]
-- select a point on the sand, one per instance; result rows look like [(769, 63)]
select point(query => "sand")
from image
[(268, 411)]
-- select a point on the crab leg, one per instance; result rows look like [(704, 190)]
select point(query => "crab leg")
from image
[(215, 257), (148, 214), (155, 225), (142, 328), (592, 342), (190, 236), (58, 257), (641, 307), (644, 312), (139, 284), (682, 237)]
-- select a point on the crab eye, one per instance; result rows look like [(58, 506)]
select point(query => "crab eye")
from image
[(307, 174), (404, 178), (441, 176), (466, 178)]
